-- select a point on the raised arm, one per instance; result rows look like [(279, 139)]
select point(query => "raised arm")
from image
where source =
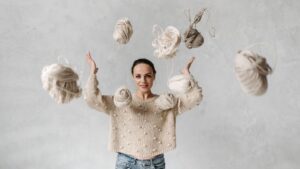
[(92, 94), (193, 95)]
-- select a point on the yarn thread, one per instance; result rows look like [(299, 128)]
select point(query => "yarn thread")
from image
[(123, 31), (180, 84), (166, 101), (61, 83), (192, 37), (122, 97), (251, 70), (166, 41)]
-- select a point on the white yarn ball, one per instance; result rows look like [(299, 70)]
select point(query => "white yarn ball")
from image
[(166, 101), (61, 83), (251, 71), (167, 42), (180, 84), (122, 97), (123, 31)]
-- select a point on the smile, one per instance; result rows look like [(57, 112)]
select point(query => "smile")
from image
[(143, 86)]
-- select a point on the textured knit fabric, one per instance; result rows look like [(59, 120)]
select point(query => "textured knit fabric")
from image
[(143, 128)]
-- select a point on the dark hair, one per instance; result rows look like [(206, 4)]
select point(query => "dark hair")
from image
[(145, 61)]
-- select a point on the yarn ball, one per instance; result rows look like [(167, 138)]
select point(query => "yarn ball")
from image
[(193, 38), (61, 82), (122, 97), (251, 71), (123, 31), (166, 101), (166, 42), (180, 84)]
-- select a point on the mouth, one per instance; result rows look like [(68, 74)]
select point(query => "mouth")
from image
[(144, 86)]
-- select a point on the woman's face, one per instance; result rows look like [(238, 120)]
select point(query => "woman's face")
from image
[(143, 76)]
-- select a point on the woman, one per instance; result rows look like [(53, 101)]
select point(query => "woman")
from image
[(142, 128)]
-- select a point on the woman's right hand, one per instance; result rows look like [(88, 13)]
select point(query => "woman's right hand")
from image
[(186, 69), (91, 62)]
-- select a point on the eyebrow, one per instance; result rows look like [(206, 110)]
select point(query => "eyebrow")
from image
[(146, 73)]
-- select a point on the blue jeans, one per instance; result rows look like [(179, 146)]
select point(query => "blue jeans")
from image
[(125, 161)]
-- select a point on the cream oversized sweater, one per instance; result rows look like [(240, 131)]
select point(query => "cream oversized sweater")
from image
[(144, 128)]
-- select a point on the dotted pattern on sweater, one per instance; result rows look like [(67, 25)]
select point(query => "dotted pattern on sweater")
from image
[(141, 129)]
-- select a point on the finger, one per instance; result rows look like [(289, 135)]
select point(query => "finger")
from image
[(87, 57), (191, 60), (190, 63)]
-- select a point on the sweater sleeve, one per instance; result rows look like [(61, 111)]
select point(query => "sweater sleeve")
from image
[(94, 98), (191, 98)]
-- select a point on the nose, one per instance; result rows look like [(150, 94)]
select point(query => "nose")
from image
[(143, 79)]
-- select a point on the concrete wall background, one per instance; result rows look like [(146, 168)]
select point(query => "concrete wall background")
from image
[(230, 130)]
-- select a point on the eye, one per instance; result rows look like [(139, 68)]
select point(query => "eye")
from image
[(138, 76)]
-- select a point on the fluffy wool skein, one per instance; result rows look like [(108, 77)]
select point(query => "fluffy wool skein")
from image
[(123, 31), (180, 84), (251, 71), (192, 37), (122, 97), (61, 83), (166, 42), (166, 101)]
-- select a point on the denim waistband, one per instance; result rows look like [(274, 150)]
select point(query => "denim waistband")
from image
[(135, 159)]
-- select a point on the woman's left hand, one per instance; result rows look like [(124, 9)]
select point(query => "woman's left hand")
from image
[(186, 69)]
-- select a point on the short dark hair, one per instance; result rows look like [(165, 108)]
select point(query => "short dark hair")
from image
[(145, 61)]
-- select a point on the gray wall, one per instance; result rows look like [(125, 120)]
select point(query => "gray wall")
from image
[(230, 130)]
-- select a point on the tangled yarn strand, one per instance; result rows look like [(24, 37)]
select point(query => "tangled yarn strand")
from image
[(198, 16), (251, 71), (166, 41), (123, 31), (192, 37), (122, 97), (61, 83), (275, 58)]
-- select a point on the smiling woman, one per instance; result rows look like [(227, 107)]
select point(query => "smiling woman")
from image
[(143, 73), (144, 128)]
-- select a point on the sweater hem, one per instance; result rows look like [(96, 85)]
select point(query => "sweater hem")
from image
[(140, 156)]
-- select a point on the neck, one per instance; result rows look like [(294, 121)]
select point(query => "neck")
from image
[(144, 95)]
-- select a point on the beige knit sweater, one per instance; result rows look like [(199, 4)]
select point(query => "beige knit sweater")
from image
[(144, 128)]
